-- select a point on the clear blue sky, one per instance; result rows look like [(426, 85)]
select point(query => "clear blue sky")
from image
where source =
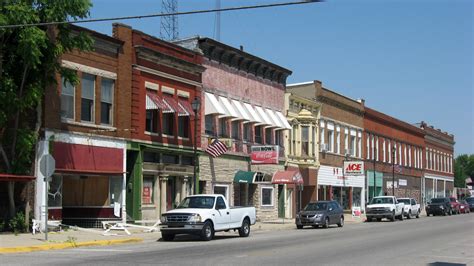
[(411, 59)]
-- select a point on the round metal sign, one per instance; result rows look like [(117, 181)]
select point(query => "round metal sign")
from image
[(47, 165)]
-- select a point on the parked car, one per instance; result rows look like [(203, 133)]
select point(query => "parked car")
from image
[(204, 215), (385, 207), (411, 209), (470, 201), (454, 205), (464, 206), (439, 206), (321, 213)]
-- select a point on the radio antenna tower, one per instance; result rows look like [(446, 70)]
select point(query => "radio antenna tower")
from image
[(169, 24)]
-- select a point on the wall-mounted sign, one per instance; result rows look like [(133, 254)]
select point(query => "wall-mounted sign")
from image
[(264, 154), (402, 182), (352, 168)]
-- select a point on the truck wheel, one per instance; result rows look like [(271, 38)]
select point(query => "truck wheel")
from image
[(341, 222), (418, 214), (299, 226), (207, 232), (326, 222), (369, 219), (379, 219), (244, 230), (401, 217), (167, 237), (409, 214), (392, 218), (450, 212)]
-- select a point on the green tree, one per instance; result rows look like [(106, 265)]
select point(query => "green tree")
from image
[(463, 168), (29, 61)]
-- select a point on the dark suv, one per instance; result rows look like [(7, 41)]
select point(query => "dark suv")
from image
[(321, 213), (439, 206), (470, 201)]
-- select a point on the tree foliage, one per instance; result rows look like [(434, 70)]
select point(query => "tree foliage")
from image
[(463, 168), (29, 62)]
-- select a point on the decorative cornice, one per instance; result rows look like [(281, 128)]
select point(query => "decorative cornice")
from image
[(338, 104), (166, 75)]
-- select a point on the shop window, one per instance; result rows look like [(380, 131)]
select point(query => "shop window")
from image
[(115, 189), (183, 126), (147, 193), (106, 101), (210, 125), (67, 99), (258, 135), (55, 192), (330, 140), (261, 177), (247, 132), (168, 123), (235, 129), (87, 101), (305, 141), (222, 190), (170, 159), (151, 121), (151, 157), (223, 128), (268, 136), (187, 160), (267, 196)]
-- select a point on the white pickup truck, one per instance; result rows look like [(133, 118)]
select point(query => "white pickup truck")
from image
[(411, 209), (385, 207), (204, 215)]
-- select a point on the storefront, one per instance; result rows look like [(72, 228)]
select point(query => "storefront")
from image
[(405, 186), (290, 185), (377, 186), (437, 186), (349, 191), (159, 178), (88, 183)]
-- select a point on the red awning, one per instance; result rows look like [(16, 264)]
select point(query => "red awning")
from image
[(287, 177), (16, 178), (186, 107), (173, 104)]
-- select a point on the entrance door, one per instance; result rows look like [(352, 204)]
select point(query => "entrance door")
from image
[(281, 201)]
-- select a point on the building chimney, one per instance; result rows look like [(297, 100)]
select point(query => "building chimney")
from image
[(242, 48)]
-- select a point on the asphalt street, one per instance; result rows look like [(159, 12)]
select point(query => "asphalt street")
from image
[(428, 240)]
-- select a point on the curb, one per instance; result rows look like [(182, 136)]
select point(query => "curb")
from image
[(69, 245)]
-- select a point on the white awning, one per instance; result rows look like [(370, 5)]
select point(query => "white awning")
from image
[(264, 116), (229, 109), (283, 120), (212, 105), (241, 110), (275, 119), (254, 117)]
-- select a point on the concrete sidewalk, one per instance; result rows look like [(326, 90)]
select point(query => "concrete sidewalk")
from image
[(72, 238)]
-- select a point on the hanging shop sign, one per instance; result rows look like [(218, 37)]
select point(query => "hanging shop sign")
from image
[(353, 168), (264, 154)]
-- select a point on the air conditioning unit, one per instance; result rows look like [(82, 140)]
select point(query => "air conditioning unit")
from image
[(323, 147)]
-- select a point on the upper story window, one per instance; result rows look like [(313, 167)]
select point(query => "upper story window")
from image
[(353, 146), (107, 99), (168, 123), (268, 136), (338, 141), (183, 126), (87, 101), (330, 140), (67, 99), (247, 132), (279, 138), (223, 128), (305, 140), (235, 129), (258, 135), (210, 125)]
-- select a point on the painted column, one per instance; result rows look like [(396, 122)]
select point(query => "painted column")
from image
[(124, 187), (163, 181), (184, 188), (42, 149)]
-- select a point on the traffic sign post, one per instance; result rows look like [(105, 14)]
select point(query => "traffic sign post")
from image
[(47, 167)]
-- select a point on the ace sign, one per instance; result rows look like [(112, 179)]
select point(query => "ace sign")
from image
[(353, 168)]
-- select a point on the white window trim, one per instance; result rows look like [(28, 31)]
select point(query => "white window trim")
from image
[(368, 146), (226, 190), (359, 142), (272, 197), (384, 157), (338, 141), (94, 101), (73, 105), (88, 69), (377, 148), (112, 113)]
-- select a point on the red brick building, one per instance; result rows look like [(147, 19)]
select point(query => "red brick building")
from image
[(395, 148), (438, 163)]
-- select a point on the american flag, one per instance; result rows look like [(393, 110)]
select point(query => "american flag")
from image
[(216, 148)]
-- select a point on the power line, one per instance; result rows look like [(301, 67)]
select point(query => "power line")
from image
[(160, 15)]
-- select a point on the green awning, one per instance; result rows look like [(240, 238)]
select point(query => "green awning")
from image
[(245, 177)]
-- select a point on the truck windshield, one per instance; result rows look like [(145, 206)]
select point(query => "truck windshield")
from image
[(319, 206), (381, 201), (197, 202), (437, 200), (406, 201)]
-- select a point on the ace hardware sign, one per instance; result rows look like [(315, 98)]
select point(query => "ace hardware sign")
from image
[(353, 168)]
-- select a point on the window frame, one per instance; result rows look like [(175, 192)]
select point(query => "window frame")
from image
[(112, 97), (67, 95), (272, 201), (92, 107), (226, 187)]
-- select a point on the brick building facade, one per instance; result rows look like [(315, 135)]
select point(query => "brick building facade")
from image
[(396, 149)]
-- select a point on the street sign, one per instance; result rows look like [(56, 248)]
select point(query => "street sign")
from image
[(47, 165)]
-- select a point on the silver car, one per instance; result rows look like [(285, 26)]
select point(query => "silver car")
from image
[(321, 213)]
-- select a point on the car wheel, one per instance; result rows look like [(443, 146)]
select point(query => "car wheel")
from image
[(418, 214), (299, 226), (450, 212), (244, 230), (341, 222), (409, 214), (368, 219), (402, 216), (326, 222), (315, 226), (207, 232), (392, 218), (379, 219), (167, 237)]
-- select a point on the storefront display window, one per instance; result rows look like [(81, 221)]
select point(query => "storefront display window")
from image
[(267, 196), (55, 192), (147, 193), (115, 189)]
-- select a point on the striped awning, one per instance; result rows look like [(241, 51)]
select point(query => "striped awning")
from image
[(186, 107), (172, 104)]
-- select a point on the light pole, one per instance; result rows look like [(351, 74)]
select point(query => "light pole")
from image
[(196, 105), (394, 150), (346, 158), (375, 180)]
